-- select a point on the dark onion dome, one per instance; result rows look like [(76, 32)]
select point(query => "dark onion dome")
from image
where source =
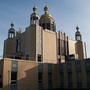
[(12, 30), (77, 32)]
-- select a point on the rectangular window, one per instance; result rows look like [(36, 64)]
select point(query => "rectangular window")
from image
[(88, 79), (40, 78), (79, 77), (79, 80), (13, 77), (48, 26), (27, 57), (49, 68), (40, 68), (58, 46), (18, 45), (69, 77), (61, 78), (39, 58), (43, 25), (0, 76), (13, 87), (49, 80), (0, 84)]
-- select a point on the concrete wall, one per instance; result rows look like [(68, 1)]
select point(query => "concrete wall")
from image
[(49, 46)]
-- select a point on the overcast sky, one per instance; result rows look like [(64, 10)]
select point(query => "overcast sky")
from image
[(66, 13)]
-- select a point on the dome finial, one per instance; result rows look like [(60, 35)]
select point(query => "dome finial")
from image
[(46, 9), (34, 8), (12, 24), (77, 28)]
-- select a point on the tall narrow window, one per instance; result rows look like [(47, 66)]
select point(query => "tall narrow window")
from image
[(13, 77), (49, 76), (40, 78), (62, 78), (69, 79), (58, 46), (79, 80), (18, 45), (1, 85), (88, 79)]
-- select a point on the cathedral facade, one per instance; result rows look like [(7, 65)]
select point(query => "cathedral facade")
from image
[(40, 41)]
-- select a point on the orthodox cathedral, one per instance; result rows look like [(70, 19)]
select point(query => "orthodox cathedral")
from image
[(40, 58)]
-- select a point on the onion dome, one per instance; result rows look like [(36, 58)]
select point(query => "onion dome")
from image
[(46, 21), (78, 35), (77, 32), (34, 16), (11, 31), (46, 15)]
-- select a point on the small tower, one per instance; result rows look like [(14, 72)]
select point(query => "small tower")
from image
[(34, 19), (47, 21), (78, 35), (11, 31)]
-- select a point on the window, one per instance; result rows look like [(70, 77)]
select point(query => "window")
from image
[(58, 46), (78, 66), (40, 68), (79, 80), (61, 78), (39, 58), (69, 80), (59, 60), (69, 77), (69, 67), (0, 84), (79, 77), (48, 26), (49, 68), (18, 45), (43, 25), (49, 78), (40, 78), (27, 57), (13, 77), (88, 78), (13, 87), (0, 76)]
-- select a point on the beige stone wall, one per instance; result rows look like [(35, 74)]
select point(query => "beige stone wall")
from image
[(6, 74), (49, 47), (81, 50), (27, 75), (33, 43), (9, 47), (72, 47)]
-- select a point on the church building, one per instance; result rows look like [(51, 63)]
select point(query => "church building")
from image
[(40, 58)]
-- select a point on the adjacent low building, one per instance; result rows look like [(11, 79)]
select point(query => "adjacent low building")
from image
[(41, 58)]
